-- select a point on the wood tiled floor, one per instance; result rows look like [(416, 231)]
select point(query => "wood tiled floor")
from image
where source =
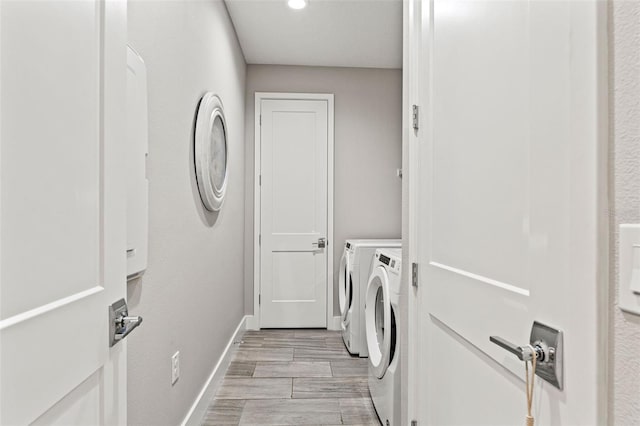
[(293, 377)]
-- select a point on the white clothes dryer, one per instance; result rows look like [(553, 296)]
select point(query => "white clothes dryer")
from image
[(355, 267), (381, 314)]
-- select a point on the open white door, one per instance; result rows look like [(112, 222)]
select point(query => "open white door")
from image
[(294, 211), (510, 159), (62, 220)]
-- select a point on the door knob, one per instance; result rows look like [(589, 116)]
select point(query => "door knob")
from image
[(120, 323)]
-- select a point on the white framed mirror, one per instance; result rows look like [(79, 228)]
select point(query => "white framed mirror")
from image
[(211, 152)]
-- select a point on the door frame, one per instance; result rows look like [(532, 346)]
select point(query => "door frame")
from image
[(332, 324)]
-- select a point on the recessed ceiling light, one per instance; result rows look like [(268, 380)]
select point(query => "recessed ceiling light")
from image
[(297, 4)]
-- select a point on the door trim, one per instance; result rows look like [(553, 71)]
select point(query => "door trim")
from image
[(259, 97)]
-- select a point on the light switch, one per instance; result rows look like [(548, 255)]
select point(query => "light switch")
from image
[(629, 267)]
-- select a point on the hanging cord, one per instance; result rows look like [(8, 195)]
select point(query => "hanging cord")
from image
[(529, 384)]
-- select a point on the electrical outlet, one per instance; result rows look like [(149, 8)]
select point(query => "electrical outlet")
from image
[(175, 367)]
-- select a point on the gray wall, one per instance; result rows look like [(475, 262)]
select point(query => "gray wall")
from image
[(624, 106), (368, 150), (191, 296)]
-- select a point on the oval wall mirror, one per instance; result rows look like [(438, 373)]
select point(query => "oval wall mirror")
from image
[(211, 152)]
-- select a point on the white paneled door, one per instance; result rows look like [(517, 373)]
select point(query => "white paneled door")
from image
[(62, 222), (294, 188), (509, 175)]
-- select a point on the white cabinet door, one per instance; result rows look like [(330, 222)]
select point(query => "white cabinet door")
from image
[(62, 254), (294, 157), (511, 152)]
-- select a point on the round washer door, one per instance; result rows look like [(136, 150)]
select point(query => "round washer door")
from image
[(377, 313), (344, 289)]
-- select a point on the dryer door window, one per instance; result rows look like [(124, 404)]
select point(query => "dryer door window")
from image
[(378, 321), (394, 336), (350, 292), (380, 318), (344, 295)]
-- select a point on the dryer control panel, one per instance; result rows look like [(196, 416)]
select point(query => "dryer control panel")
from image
[(392, 263)]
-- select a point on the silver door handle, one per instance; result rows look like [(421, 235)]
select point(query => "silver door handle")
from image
[(545, 343), (125, 325), (120, 323), (524, 353), (322, 243)]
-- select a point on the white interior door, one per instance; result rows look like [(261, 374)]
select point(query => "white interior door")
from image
[(511, 155), (62, 223), (294, 212)]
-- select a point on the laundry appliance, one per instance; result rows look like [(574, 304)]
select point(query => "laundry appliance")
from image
[(355, 267), (381, 321)]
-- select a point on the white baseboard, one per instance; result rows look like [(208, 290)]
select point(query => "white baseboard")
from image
[(252, 322), (336, 325), (199, 407)]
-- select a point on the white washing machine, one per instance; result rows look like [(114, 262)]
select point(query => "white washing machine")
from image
[(381, 314), (355, 268)]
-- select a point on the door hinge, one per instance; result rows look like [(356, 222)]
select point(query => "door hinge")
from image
[(414, 274), (415, 115), (259, 299), (260, 119), (259, 180), (259, 239), (414, 423)]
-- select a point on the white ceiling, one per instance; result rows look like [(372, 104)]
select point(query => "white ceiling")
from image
[(342, 33)]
